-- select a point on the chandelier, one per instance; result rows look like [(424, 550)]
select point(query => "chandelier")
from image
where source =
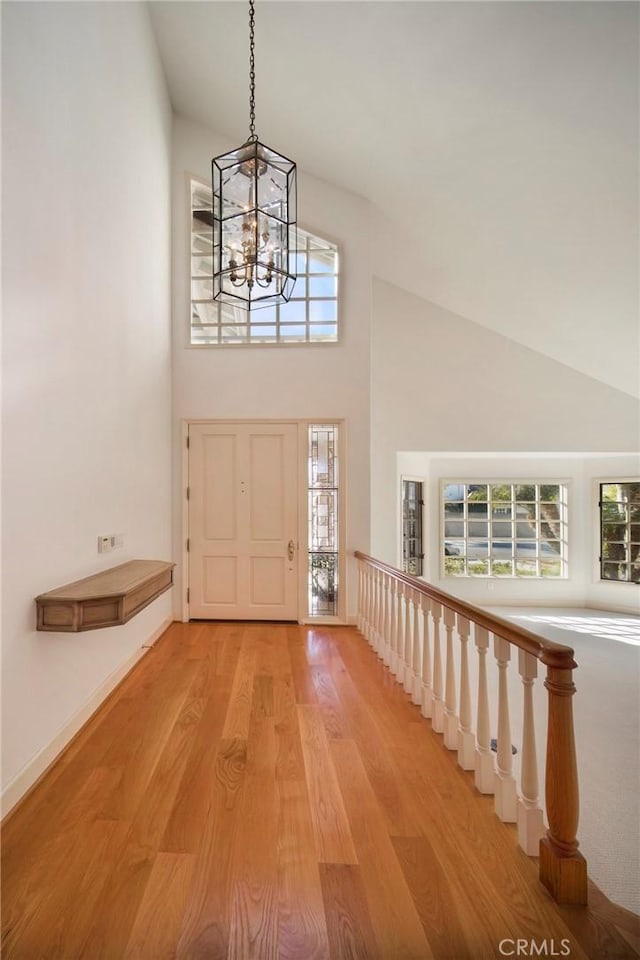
[(254, 216)]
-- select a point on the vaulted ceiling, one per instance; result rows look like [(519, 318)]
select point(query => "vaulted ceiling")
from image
[(496, 141)]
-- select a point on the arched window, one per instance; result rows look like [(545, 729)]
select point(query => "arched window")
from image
[(311, 315)]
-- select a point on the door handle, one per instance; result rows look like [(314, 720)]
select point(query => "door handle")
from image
[(291, 549)]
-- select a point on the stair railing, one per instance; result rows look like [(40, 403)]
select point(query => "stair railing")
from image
[(414, 628)]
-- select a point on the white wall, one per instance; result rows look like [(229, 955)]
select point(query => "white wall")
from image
[(86, 353), (442, 383), (322, 381)]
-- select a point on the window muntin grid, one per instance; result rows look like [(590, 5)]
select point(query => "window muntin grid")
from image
[(412, 502), (323, 493), (620, 531), (310, 316), (504, 529)]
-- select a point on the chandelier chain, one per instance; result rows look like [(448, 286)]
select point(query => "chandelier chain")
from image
[(252, 73)]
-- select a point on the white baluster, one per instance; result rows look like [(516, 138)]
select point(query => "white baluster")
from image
[(375, 639), (368, 607), (361, 596), (530, 824), (408, 640), (399, 662), (380, 621), (466, 740), (426, 692), (437, 714), (393, 626), (372, 608), (450, 717), (386, 627), (485, 767), (505, 784), (417, 650)]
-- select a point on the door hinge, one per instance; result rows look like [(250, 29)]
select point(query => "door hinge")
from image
[(188, 493), (188, 544), (187, 441), (188, 594)]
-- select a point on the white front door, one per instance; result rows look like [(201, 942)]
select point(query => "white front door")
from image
[(243, 521)]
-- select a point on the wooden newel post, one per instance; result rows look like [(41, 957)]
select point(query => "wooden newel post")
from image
[(563, 870)]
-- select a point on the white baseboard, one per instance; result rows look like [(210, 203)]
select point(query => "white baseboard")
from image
[(24, 781)]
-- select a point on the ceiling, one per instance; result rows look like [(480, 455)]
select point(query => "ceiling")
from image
[(496, 141)]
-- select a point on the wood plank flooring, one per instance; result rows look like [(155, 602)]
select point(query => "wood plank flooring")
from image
[(268, 792)]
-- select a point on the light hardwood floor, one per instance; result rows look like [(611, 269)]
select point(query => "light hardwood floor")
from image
[(261, 791)]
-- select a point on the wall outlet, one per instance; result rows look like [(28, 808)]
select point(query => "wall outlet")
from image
[(111, 542), (105, 544)]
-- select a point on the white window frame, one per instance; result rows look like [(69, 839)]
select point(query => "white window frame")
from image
[(413, 479), (307, 301), (477, 481), (597, 539)]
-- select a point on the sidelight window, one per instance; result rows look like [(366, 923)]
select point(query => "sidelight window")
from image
[(323, 513)]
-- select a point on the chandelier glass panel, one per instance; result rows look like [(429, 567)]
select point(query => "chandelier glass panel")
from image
[(254, 218)]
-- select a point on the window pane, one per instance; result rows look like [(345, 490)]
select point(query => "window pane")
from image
[(501, 528), (202, 289), (263, 333), (454, 548), (235, 334), (478, 549), (614, 571), (292, 312), (454, 528), (478, 529), (323, 582), (319, 332), (323, 518), (322, 261), (501, 568), (204, 335), (614, 511), (614, 531), (323, 287), (293, 332), (201, 266), (322, 310), (633, 492), (520, 533)]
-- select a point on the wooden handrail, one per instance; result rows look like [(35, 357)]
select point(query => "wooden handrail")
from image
[(563, 869), (546, 651)]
